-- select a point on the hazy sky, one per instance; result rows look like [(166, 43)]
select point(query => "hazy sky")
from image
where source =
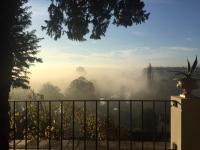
[(168, 38)]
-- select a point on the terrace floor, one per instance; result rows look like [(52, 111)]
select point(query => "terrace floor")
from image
[(79, 145)]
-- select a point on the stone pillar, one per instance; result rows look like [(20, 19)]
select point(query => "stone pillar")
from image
[(185, 123)]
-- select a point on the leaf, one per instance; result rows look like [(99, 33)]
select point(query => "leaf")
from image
[(189, 67), (182, 73), (194, 65)]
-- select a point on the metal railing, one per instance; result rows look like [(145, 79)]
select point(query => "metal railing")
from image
[(90, 124)]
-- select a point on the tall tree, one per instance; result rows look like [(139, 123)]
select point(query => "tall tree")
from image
[(81, 88), (24, 46), (18, 53), (77, 17)]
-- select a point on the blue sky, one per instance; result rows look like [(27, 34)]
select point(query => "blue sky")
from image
[(168, 38), (171, 34)]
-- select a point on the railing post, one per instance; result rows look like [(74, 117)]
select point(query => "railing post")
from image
[(142, 125), (84, 121), (26, 129), (73, 119), (155, 128), (131, 125), (14, 123), (96, 112), (61, 125), (107, 126), (119, 121), (38, 125), (49, 125)]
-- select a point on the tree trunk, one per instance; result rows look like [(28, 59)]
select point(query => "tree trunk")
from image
[(5, 83), (7, 10)]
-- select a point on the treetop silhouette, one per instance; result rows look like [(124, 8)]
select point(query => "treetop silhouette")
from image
[(24, 46), (76, 18)]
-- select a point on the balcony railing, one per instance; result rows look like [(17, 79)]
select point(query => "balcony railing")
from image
[(90, 124)]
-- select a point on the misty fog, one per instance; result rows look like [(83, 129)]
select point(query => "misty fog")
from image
[(101, 83)]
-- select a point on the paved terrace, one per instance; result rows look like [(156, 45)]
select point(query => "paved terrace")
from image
[(79, 145)]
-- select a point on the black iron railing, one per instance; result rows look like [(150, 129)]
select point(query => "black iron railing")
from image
[(90, 124)]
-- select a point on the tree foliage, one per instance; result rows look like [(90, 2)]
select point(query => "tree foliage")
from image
[(19, 123), (19, 94), (24, 45), (81, 88), (51, 92), (76, 18)]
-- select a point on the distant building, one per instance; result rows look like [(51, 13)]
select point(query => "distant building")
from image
[(161, 83), (149, 75)]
